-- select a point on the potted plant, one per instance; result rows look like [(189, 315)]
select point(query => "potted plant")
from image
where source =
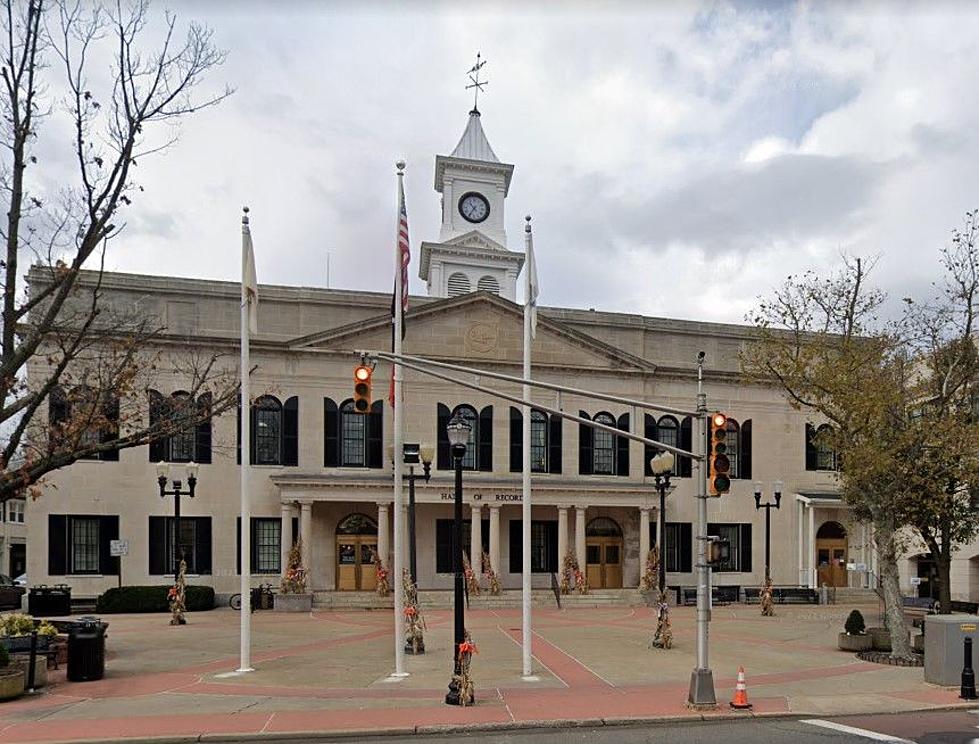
[(11, 677), (293, 595), (16, 629), (854, 637)]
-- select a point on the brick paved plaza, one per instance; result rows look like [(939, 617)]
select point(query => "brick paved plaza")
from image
[(328, 671)]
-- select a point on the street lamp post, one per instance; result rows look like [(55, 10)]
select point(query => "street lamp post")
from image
[(415, 454), (662, 467), (458, 432), (163, 474), (768, 506)]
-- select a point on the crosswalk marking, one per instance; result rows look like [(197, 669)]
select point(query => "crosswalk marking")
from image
[(873, 735)]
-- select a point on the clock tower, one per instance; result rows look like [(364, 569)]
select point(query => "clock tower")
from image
[(471, 254)]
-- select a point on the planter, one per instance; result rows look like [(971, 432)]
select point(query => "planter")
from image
[(881, 638), (19, 644), (40, 668), (293, 602), (855, 643), (11, 683)]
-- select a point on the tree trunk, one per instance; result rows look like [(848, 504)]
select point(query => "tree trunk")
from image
[(891, 589), (943, 563)]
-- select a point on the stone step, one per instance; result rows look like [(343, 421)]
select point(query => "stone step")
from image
[(508, 599)]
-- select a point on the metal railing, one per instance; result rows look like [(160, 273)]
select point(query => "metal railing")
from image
[(556, 588)]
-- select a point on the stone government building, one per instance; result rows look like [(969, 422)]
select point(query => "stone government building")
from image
[(322, 471)]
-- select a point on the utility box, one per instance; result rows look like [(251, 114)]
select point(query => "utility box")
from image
[(944, 656)]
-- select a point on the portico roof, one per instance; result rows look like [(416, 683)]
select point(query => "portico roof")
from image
[(822, 498)]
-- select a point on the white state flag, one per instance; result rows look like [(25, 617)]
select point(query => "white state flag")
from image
[(533, 289), (249, 284)]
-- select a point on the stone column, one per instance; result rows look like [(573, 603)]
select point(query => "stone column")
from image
[(562, 536), (285, 537), (643, 539), (801, 514), (494, 538), (306, 533), (404, 534), (384, 534), (813, 581), (579, 536), (476, 540)]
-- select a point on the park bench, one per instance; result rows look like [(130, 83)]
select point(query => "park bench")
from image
[(720, 595), (915, 609), (784, 594)]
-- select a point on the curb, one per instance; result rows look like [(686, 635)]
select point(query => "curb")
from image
[(509, 726)]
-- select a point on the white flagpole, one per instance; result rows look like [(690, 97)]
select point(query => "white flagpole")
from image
[(399, 437), (525, 552), (245, 616)]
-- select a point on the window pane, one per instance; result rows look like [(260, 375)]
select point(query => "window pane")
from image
[(353, 437), (538, 442), (468, 415), (669, 434), (182, 443), (731, 533), (187, 547), (733, 447), (604, 447), (268, 423), (85, 545), (267, 545)]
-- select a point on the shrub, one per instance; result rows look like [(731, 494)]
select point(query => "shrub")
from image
[(16, 624), (152, 599), (4, 657), (854, 624)]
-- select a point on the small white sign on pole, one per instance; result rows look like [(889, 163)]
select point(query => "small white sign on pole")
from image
[(915, 581), (118, 548), (862, 567)]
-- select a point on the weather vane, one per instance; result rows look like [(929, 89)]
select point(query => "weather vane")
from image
[(476, 83)]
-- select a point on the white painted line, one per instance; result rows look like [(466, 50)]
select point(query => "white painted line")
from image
[(873, 735)]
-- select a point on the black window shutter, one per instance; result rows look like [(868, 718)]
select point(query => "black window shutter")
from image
[(516, 545), (253, 546), (238, 433), (295, 531), (486, 439), (57, 544), (253, 427), (744, 454), (585, 460), (108, 530), (110, 410), (444, 458), (443, 546), (554, 444), (375, 435), (686, 547), (745, 551), (202, 435), (552, 556), (650, 431), (516, 440), (290, 432), (686, 443), (238, 544), (622, 447), (203, 545), (331, 434), (158, 448), (811, 458), (158, 546)]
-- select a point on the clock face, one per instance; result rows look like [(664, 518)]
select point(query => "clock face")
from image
[(474, 207)]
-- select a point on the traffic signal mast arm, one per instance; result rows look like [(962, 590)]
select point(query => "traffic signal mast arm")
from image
[(416, 363)]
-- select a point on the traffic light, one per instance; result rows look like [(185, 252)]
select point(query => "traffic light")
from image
[(362, 388), (719, 466), (718, 550)]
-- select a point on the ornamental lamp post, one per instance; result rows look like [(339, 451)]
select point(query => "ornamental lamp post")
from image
[(414, 454), (458, 430), (662, 467), (163, 474), (768, 506)]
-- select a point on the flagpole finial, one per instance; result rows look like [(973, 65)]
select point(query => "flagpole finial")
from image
[(400, 165), (527, 226), (244, 217)]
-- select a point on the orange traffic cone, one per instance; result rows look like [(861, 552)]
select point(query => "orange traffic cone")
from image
[(740, 699)]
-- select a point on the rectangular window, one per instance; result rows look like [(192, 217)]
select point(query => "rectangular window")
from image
[(266, 542), (195, 545), (679, 546), (443, 542), (538, 442), (543, 546), (739, 536), (84, 537), (352, 437), (15, 511), (268, 436)]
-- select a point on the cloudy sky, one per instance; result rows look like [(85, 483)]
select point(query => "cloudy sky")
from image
[(678, 160)]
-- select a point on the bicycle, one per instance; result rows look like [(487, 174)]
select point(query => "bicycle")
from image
[(263, 590)]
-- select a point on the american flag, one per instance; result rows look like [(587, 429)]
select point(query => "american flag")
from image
[(404, 250)]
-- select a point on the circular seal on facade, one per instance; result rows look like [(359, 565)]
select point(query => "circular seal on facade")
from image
[(482, 337)]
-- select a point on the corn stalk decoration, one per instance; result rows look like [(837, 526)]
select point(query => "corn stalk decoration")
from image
[(495, 586), (294, 580), (648, 580), (767, 603), (178, 596), (414, 623), (382, 583), (663, 637), (472, 580), (572, 579), (463, 680)]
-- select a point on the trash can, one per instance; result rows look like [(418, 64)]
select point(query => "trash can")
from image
[(49, 601), (86, 651)]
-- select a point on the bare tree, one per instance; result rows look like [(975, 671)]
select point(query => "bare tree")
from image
[(73, 367)]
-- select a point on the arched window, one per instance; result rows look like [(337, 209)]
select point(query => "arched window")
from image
[(189, 441), (82, 419), (353, 436), (538, 441), (603, 452), (733, 442), (545, 442), (669, 433), (353, 439), (458, 284), (489, 284), (825, 454), (268, 431), (468, 414), (357, 524), (182, 442), (603, 527), (479, 448)]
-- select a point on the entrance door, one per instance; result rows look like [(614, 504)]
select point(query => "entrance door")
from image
[(356, 553), (603, 552), (831, 552)]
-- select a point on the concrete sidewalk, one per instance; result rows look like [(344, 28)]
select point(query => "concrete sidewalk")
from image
[(329, 671)]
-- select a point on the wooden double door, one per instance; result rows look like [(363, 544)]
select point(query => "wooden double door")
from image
[(604, 562), (355, 563), (831, 561)]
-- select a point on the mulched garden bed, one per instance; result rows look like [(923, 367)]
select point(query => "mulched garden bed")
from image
[(883, 657)]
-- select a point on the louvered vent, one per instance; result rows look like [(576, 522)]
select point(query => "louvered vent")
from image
[(489, 284), (458, 284)]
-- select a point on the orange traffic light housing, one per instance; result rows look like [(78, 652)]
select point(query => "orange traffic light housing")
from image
[(719, 464), (362, 388)]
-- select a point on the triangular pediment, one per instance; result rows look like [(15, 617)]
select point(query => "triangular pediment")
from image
[(476, 239), (478, 327)]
